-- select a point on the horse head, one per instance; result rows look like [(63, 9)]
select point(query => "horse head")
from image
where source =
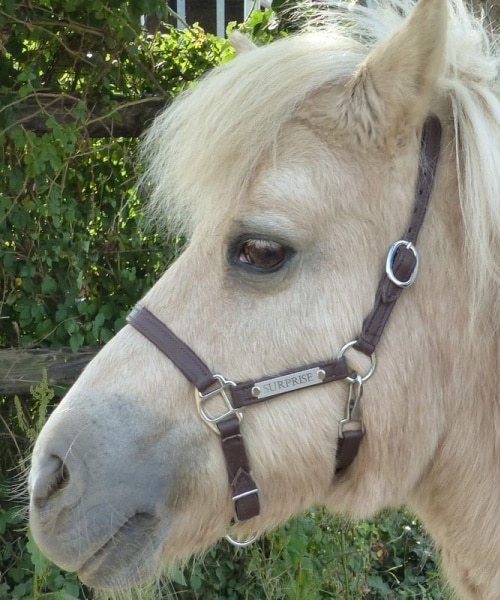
[(291, 170)]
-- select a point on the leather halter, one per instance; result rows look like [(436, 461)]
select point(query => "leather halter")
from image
[(401, 269)]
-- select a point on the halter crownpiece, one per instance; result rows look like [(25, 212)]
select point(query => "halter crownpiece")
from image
[(400, 272)]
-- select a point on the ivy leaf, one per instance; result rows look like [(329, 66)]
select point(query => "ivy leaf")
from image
[(76, 341)]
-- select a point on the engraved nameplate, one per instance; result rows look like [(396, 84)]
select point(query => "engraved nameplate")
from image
[(287, 383)]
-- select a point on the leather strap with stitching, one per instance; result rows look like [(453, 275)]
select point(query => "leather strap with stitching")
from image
[(244, 489), (347, 448), (404, 259), (189, 363), (197, 372)]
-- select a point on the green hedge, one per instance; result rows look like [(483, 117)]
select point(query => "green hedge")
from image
[(74, 254)]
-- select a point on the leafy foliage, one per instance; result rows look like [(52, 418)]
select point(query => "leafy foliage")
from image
[(74, 252), (320, 556)]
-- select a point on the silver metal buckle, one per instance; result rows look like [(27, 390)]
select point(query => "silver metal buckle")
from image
[(238, 497), (390, 259), (222, 390)]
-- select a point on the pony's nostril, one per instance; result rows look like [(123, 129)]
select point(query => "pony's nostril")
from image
[(51, 477), (60, 480)]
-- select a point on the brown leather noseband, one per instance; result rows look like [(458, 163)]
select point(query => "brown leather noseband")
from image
[(400, 271)]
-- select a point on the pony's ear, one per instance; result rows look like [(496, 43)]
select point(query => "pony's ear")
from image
[(241, 43), (390, 93)]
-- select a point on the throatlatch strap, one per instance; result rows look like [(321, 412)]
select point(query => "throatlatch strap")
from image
[(404, 260), (347, 448)]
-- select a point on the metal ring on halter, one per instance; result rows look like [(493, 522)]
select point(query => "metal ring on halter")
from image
[(390, 259), (371, 370), (241, 543)]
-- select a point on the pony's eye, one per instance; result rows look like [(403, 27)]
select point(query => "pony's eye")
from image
[(262, 254)]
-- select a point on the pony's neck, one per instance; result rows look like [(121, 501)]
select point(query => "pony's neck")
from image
[(457, 498)]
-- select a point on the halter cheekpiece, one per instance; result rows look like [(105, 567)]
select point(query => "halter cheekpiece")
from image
[(400, 272)]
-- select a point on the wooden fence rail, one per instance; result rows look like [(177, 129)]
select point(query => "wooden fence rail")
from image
[(125, 119), (20, 369)]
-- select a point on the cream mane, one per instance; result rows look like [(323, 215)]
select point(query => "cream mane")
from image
[(195, 155)]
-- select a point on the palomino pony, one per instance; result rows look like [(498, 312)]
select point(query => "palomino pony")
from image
[(298, 171)]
